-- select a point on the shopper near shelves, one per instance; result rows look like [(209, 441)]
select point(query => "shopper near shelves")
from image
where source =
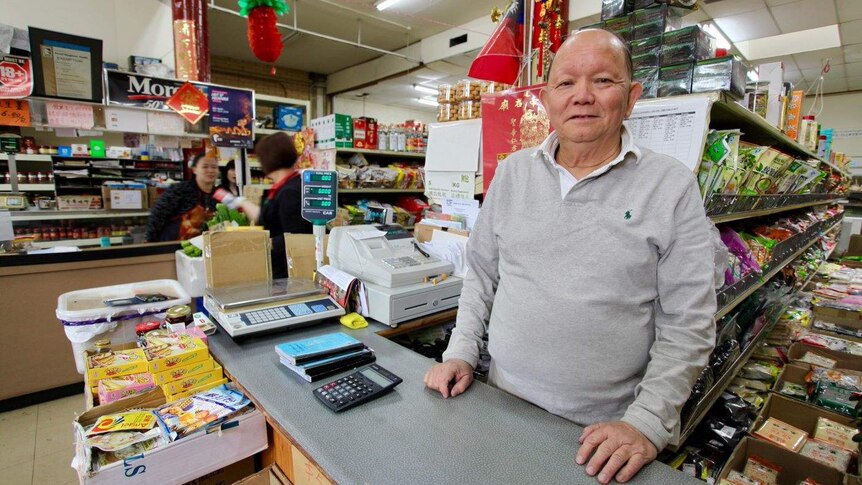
[(592, 270), (228, 178), (280, 213), (182, 211)]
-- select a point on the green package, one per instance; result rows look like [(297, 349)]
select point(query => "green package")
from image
[(719, 164)]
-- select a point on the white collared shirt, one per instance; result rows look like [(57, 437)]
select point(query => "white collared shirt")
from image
[(548, 150)]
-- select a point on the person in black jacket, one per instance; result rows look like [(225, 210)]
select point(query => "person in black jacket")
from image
[(228, 178), (280, 212), (182, 211)]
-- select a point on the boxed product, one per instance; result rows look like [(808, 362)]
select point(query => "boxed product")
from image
[(79, 202), (116, 388), (194, 390), (674, 80), (799, 351), (649, 45), (621, 26), (193, 381), (170, 375), (125, 196), (333, 131), (115, 363), (288, 118), (365, 133), (118, 152), (782, 434), (654, 21), (616, 8), (720, 74), (165, 357), (649, 79), (816, 422), (794, 468), (650, 60), (689, 44)]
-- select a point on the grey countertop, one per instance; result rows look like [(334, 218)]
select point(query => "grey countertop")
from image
[(412, 435)]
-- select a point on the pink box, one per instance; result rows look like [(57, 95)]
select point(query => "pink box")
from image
[(116, 388)]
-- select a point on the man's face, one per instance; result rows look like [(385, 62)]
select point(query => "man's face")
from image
[(589, 92)]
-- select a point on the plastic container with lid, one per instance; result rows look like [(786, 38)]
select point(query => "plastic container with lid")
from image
[(447, 112), (468, 89), (86, 317), (468, 110), (445, 93)]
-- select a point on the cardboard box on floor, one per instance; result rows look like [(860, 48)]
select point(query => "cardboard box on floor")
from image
[(794, 467), (424, 232), (186, 459), (843, 360), (300, 255), (271, 475), (238, 257), (794, 373), (797, 413), (239, 472)]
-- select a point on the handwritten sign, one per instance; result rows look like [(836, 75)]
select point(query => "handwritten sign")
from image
[(164, 124), (68, 115), (14, 112), (306, 472)]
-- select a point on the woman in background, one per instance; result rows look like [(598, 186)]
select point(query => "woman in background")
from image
[(182, 211), (228, 178)]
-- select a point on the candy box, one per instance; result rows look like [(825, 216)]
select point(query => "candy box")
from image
[(194, 390), (170, 375), (116, 388), (193, 381), (115, 363), (165, 357)]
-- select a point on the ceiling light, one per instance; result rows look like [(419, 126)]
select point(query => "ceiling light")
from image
[(427, 101), (384, 4), (720, 40), (425, 89), (792, 43)]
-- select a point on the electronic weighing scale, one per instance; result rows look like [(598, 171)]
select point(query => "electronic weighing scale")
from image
[(278, 305)]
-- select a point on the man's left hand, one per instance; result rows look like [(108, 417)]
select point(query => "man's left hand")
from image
[(618, 451)]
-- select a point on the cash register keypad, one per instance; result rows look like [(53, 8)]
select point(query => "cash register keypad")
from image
[(407, 261)]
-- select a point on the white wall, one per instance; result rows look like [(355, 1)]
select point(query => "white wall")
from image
[(126, 27), (384, 114), (841, 112)]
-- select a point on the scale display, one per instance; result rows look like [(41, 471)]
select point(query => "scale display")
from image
[(319, 195)]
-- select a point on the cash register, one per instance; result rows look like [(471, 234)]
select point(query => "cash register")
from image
[(402, 282)]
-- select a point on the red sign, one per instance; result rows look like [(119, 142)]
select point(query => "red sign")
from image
[(16, 79), (14, 112), (189, 103), (511, 120)]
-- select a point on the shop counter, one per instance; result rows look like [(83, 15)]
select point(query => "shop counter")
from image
[(410, 435)]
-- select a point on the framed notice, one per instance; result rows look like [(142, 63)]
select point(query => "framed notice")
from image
[(66, 66)]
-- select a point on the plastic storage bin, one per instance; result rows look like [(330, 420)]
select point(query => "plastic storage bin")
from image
[(86, 318), (191, 274)]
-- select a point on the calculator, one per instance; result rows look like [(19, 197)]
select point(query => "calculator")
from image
[(360, 387)]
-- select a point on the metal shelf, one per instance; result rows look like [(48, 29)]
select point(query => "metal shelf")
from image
[(270, 131), (381, 191), (75, 242), (381, 152), (50, 215), (24, 157), (718, 219), (28, 187)]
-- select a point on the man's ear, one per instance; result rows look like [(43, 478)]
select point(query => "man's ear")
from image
[(635, 92), (543, 97)]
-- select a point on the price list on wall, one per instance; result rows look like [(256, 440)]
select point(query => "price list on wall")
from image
[(673, 126)]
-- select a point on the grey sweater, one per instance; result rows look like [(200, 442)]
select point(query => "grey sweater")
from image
[(598, 306)]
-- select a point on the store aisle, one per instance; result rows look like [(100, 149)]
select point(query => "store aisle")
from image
[(36, 444)]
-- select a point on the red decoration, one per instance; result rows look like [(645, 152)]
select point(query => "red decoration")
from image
[(263, 35)]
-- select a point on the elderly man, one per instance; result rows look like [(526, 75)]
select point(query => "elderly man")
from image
[(591, 270)]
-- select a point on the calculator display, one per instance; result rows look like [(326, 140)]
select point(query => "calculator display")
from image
[(375, 377)]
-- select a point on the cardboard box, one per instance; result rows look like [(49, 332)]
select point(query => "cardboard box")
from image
[(236, 473), (193, 381), (333, 131), (118, 199), (122, 362), (842, 360), (842, 318), (794, 114), (183, 460), (794, 467), (359, 127), (79, 202), (301, 261), (424, 232), (164, 377), (271, 475), (254, 193), (194, 390), (195, 350), (234, 258), (797, 413), (132, 385), (794, 373), (91, 398)]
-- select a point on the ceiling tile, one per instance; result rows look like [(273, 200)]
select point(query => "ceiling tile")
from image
[(695, 17), (854, 83), (749, 25), (804, 15), (835, 71), (815, 59), (837, 85), (849, 10), (851, 32), (772, 3), (853, 69), (853, 53), (732, 7)]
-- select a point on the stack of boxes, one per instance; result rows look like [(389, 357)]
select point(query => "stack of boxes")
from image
[(333, 131), (365, 133)]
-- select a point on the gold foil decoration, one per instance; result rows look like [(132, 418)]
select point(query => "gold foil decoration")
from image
[(185, 50), (496, 14)]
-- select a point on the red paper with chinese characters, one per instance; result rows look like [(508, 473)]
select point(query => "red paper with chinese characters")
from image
[(189, 103), (511, 120), (14, 112)]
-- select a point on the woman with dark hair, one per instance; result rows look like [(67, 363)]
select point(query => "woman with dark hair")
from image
[(182, 211), (228, 178), (280, 212)]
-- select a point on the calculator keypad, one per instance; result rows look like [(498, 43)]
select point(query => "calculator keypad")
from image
[(352, 390)]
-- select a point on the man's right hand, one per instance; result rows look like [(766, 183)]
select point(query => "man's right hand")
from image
[(440, 376)]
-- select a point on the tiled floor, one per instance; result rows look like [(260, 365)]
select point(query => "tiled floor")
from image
[(36, 443)]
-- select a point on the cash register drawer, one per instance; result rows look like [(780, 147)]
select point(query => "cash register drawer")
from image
[(392, 306)]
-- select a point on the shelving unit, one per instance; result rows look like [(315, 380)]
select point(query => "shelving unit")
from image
[(385, 153), (28, 187), (734, 216), (267, 102), (74, 242), (381, 191), (50, 215)]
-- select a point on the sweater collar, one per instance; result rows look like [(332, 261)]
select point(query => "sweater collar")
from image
[(548, 149)]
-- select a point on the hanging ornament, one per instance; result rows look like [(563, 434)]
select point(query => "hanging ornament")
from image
[(263, 35), (496, 14)]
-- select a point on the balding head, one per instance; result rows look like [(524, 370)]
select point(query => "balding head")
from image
[(599, 38)]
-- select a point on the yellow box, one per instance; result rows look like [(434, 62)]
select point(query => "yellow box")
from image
[(174, 397), (116, 363), (162, 358), (193, 381), (177, 373)]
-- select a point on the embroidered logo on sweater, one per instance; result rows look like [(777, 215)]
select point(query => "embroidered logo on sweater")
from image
[(628, 215)]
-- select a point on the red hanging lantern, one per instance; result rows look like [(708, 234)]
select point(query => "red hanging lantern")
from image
[(264, 39)]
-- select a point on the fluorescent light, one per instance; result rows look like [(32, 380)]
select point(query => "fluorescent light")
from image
[(427, 101), (720, 40), (384, 4), (425, 89), (792, 43)]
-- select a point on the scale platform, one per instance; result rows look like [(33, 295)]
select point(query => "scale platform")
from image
[(264, 307)]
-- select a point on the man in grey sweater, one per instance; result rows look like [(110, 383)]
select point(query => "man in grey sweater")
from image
[(591, 270)]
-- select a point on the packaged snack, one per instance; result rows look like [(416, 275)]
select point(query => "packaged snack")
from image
[(836, 434), (447, 112), (782, 434), (758, 468), (491, 87), (721, 74), (193, 381), (187, 415), (469, 109), (346, 177), (719, 169), (648, 45), (164, 357), (794, 390), (827, 454), (445, 93), (737, 478), (818, 360), (616, 8), (649, 79), (104, 458), (840, 378), (751, 384), (116, 388), (177, 373), (468, 89), (194, 390), (836, 398), (121, 439), (760, 371), (130, 421), (116, 363), (674, 79)]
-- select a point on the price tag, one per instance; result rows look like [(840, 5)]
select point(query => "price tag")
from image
[(68, 115), (14, 112)]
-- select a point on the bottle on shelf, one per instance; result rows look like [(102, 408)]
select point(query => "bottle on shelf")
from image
[(383, 138), (402, 139), (393, 138)]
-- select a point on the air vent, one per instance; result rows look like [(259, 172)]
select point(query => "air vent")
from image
[(461, 39)]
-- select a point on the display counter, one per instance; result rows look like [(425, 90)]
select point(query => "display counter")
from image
[(410, 435)]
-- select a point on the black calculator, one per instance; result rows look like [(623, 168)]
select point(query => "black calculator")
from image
[(360, 387)]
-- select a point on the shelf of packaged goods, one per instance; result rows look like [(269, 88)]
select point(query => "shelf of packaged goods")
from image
[(718, 388), (50, 215), (24, 157), (58, 157), (269, 99), (28, 187), (270, 131), (381, 191), (734, 216), (727, 114), (382, 152), (74, 242)]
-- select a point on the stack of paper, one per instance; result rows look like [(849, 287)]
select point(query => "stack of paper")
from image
[(318, 357)]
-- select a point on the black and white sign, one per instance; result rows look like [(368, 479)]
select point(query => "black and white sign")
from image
[(137, 90)]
